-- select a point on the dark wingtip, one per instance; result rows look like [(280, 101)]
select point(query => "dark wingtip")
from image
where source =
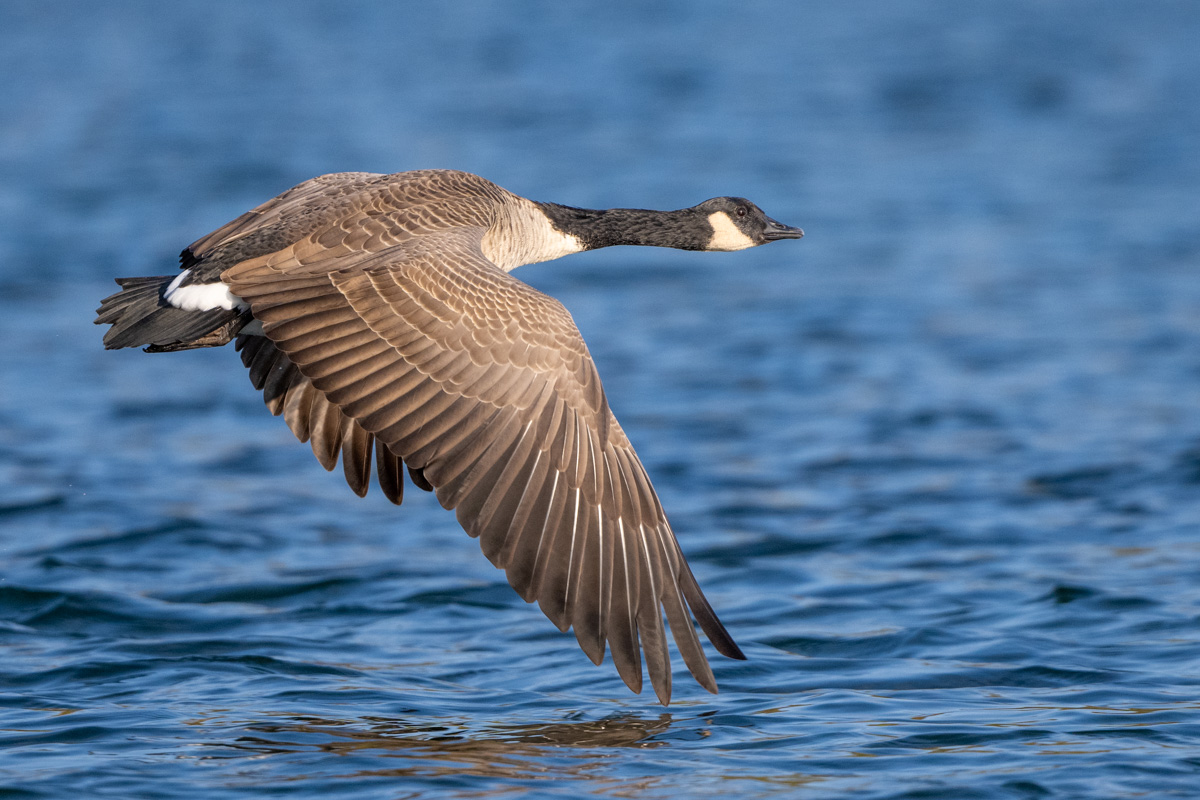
[(720, 638), (733, 652), (709, 623)]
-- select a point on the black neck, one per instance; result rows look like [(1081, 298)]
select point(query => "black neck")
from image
[(686, 229)]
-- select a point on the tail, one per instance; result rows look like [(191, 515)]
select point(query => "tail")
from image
[(140, 316)]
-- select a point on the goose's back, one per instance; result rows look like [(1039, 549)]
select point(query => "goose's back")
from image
[(351, 212)]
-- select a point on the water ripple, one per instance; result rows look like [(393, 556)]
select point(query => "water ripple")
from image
[(937, 466)]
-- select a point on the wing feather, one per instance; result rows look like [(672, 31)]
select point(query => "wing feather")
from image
[(310, 416), (482, 385), (391, 477)]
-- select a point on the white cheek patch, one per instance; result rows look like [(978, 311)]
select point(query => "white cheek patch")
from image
[(201, 296), (726, 235)]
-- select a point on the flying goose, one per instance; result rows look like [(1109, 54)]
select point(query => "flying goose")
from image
[(377, 313)]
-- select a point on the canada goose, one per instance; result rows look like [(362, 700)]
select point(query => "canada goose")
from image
[(377, 312)]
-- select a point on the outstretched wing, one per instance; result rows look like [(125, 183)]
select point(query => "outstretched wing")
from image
[(484, 385), (314, 419)]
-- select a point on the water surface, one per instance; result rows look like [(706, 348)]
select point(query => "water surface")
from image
[(937, 465)]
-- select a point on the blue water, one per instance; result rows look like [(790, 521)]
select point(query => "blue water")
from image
[(937, 465)]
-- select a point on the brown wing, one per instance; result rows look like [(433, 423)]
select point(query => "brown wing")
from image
[(350, 214), (485, 386), (313, 418), (320, 192)]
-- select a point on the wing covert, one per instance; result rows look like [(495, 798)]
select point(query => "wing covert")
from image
[(485, 386)]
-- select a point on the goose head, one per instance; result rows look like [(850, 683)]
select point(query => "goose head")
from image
[(738, 224)]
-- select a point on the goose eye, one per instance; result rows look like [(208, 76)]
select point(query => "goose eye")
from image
[(741, 211)]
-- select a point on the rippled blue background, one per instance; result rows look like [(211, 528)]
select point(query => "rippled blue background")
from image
[(937, 465)]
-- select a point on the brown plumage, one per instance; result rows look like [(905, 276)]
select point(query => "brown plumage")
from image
[(392, 332)]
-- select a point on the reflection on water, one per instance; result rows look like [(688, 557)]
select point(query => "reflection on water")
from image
[(497, 751), (579, 752)]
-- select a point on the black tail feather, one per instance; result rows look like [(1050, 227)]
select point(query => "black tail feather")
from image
[(140, 316)]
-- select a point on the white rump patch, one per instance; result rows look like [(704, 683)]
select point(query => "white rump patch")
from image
[(726, 235), (201, 296)]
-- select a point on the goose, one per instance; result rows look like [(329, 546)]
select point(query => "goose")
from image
[(377, 315)]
